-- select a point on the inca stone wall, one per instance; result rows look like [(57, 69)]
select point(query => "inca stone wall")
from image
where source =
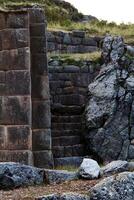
[(68, 88), (25, 119), (73, 42)]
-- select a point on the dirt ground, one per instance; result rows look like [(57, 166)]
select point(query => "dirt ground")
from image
[(30, 193)]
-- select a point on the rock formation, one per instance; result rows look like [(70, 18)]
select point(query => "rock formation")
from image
[(110, 108)]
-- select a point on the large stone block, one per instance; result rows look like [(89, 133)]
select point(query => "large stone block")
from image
[(18, 138), (19, 58), (38, 45), (37, 29), (43, 159), (40, 87), (39, 63), (25, 157), (15, 110), (41, 114), (36, 16), (41, 139), (17, 20), (18, 82), (2, 137), (2, 21), (12, 39)]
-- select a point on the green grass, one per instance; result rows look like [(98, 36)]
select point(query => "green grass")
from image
[(98, 28), (95, 56), (70, 168)]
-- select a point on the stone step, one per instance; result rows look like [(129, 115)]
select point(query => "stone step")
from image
[(66, 126), (56, 133), (58, 108), (66, 140), (68, 151), (68, 161), (66, 118)]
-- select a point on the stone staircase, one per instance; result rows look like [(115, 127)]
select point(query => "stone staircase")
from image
[(67, 141)]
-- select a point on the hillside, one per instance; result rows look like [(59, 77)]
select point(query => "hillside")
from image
[(56, 10), (62, 15)]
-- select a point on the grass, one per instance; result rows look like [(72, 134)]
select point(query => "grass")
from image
[(69, 168), (76, 59), (98, 28)]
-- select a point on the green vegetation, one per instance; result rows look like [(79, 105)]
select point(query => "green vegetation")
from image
[(76, 59), (56, 11), (99, 28), (63, 16)]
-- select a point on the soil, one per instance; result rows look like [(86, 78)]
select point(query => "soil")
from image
[(30, 193)]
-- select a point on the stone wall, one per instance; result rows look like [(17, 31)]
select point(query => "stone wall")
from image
[(68, 88), (73, 42), (25, 127)]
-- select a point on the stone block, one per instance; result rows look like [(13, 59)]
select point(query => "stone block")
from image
[(4, 62), (18, 82), (18, 138), (41, 114), (43, 159), (50, 37), (51, 46), (67, 161), (37, 30), (17, 20), (41, 139), (40, 87), (76, 40), (38, 45), (2, 137), (89, 42), (36, 15), (77, 33), (39, 63), (15, 110), (12, 39), (73, 99), (131, 152), (19, 58), (2, 21), (24, 157)]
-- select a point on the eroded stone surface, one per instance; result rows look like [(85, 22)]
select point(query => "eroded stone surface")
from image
[(110, 108)]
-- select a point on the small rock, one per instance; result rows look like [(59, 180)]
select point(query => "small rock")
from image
[(115, 167), (89, 169)]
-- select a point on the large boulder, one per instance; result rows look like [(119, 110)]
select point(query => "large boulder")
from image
[(118, 187), (110, 107), (89, 169), (13, 175)]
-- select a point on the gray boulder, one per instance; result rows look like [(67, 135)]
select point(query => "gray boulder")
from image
[(119, 187), (66, 196), (115, 167), (89, 169), (13, 175), (58, 176), (110, 107)]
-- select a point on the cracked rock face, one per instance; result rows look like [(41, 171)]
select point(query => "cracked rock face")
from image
[(110, 108)]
